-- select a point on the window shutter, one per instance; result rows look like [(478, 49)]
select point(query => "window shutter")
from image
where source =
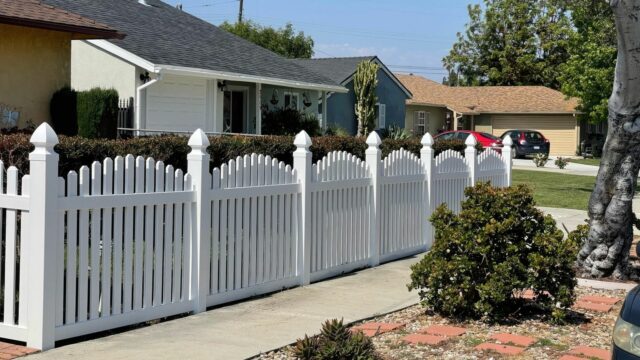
[(382, 116)]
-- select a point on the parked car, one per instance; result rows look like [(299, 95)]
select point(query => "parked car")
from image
[(487, 140), (527, 142), (626, 333)]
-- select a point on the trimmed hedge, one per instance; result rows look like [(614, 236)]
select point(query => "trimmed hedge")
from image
[(77, 151), (98, 113)]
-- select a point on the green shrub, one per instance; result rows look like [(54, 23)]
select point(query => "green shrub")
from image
[(98, 113), (540, 160), (76, 151), (335, 342), (64, 116), (395, 132), (289, 122), (561, 163), (498, 245)]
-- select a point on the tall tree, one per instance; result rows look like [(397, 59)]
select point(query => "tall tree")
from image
[(588, 74), (284, 41), (606, 251), (365, 81), (512, 42)]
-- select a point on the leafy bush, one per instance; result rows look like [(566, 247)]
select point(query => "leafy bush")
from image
[(64, 116), (289, 122), (561, 163), (335, 342), (336, 130), (540, 160), (98, 113), (498, 245), (76, 151)]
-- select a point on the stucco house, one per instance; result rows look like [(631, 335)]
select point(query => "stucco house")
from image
[(392, 94), (493, 109), (185, 73), (35, 43)]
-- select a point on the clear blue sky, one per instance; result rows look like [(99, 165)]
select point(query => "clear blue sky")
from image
[(408, 35)]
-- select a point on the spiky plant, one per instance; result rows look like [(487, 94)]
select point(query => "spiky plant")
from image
[(306, 348), (365, 82), (335, 331), (335, 342)]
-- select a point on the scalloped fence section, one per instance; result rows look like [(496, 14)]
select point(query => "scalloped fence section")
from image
[(130, 240), (404, 206), (254, 228)]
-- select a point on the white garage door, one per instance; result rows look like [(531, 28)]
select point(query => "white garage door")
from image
[(177, 103), (559, 129)]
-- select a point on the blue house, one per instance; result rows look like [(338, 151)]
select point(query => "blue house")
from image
[(392, 94)]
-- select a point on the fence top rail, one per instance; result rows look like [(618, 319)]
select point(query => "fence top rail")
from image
[(402, 162)]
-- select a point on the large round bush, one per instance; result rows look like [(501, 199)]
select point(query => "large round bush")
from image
[(498, 246)]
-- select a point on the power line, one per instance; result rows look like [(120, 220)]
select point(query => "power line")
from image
[(210, 4)]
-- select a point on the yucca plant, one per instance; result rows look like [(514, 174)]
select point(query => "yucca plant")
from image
[(365, 82)]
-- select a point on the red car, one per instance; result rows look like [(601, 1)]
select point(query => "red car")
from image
[(487, 140)]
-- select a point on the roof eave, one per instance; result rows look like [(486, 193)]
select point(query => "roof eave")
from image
[(82, 32), (223, 75)]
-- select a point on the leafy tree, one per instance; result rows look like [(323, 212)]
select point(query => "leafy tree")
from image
[(365, 81), (284, 41), (512, 42), (588, 73)]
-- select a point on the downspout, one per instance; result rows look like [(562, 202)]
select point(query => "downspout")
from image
[(138, 114)]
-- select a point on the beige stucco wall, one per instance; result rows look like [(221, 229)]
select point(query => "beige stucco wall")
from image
[(92, 67), (437, 117), (34, 64)]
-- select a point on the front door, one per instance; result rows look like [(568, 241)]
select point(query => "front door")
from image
[(234, 111)]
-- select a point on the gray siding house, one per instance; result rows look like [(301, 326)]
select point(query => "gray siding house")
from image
[(392, 94)]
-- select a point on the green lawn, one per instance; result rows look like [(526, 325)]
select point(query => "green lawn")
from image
[(594, 162), (557, 190)]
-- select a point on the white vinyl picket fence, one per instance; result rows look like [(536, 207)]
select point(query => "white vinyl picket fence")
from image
[(129, 239)]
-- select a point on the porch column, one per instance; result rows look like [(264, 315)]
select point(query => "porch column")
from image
[(325, 116), (455, 121), (258, 109)]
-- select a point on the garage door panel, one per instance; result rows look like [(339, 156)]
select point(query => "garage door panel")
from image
[(177, 104), (559, 129)]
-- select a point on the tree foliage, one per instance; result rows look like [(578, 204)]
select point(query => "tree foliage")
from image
[(365, 81), (284, 41), (512, 42), (588, 74)]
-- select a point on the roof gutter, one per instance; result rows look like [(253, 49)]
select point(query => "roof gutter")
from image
[(223, 75)]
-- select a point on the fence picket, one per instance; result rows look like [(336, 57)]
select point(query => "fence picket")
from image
[(107, 237), (149, 225), (10, 250), (159, 237), (94, 247), (118, 188)]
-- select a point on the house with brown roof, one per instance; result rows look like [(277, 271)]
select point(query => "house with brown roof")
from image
[(492, 109), (36, 56)]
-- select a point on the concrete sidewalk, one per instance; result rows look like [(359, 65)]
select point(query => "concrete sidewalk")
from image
[(245, 329), (571, 169)]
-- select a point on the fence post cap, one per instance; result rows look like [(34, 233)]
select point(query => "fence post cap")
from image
[(507, 141), (471, 140), (198, 140), (302, 140), (427, 140), (44, 136), (374, 139)]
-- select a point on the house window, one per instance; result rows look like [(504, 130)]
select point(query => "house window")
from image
[(292, 100), (421, 122), (381, 110)]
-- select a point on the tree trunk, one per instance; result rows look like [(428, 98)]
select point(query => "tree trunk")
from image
[(606, 251)]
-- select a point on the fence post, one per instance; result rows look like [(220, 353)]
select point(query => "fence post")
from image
[(426, 156), (374, 157), (198, 168), (302, 166), (507, 157), (470, 154), (42, 240)]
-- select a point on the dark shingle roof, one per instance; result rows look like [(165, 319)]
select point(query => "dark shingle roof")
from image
[(337, 69), (34, 13), (164, 35)]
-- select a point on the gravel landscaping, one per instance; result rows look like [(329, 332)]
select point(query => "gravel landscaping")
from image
[(584, 328)]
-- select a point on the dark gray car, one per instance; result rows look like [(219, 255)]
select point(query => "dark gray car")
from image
[(527, 142)]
